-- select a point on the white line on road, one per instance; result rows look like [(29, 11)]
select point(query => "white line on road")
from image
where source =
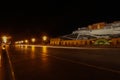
[(85, 64)]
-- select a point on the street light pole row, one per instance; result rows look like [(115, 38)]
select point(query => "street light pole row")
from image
[(33, 40)]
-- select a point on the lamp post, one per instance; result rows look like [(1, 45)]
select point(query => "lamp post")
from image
[(45, 39), (26, 41), (4, 39), (33, 40)]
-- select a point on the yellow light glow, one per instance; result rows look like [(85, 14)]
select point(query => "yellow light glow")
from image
[(22, 41), (16, 42), (4, 38), (26, 46), (44, 54), (33, 52), (44, 49), (26, 41), (3, 46), (44, 38), (33, 40), (19, 42), (21, 46)]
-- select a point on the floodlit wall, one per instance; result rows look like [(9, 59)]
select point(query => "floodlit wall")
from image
[(55, 41), (60, 42), (70, 42), (115, 41)]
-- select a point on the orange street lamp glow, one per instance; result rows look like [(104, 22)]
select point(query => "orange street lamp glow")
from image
[(19, 42), (33, 40), (4, 38), (22, 41), (26, 41), (16, 42), (44, 38)]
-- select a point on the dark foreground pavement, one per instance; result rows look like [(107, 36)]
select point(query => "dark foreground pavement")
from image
[(5, 71), (43, 63)]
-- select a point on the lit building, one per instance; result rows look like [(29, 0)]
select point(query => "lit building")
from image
[(99, 30), (99, 33)]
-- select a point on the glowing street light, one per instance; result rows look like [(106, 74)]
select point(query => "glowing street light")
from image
[(26, 41), (22, 41), (16, 42), (19, 42), (4, 38), (44, 38), (33, 40)]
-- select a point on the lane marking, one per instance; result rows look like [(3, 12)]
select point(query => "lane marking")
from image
[(11, 68), (85, 64)]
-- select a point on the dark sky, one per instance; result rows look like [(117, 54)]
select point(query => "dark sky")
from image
[(55, 18)]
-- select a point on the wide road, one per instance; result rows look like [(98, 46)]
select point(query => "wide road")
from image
[(59, 63)]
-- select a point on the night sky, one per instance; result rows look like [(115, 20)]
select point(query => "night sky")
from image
[(54, 18)]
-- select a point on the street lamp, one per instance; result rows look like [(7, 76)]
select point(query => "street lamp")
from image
[(33, 40), (44, 38), (4, 38), (21, 42), (26, 41)]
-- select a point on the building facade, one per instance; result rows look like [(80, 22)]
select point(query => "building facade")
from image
[(96, 34)]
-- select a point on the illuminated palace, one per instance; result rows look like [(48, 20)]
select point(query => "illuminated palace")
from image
[(95, 34)]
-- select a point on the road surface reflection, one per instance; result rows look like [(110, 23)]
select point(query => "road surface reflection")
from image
[(33, 52), (26, 47), (44, 54)]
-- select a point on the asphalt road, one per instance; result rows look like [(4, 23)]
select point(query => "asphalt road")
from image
[(55, 63)]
